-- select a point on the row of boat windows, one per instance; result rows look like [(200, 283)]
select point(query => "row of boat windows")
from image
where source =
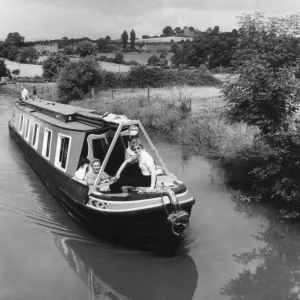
[(62, 147)]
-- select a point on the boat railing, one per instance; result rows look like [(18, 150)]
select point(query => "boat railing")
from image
[(112, 145)]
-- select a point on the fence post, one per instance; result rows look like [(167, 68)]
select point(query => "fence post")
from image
[(112, 94), (148, 94), (190, 104)]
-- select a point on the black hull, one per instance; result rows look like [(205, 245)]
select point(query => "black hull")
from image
[(147, 229)]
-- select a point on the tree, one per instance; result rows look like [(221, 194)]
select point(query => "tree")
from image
[(28, 55), (124, 39), (15, 39), (119, 57), (145, 36), (53, 65), (86, 48), (132, 39), (108, 38), (16, 72), (77, 79), (168, 31), (69, 50), (13, 53), (177, 30), (102, 44), (4, 72), (266, 92)]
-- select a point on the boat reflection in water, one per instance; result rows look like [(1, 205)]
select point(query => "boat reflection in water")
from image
[(119, 274)]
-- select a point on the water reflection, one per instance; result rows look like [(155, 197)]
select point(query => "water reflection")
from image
[(276, 274), (125, 275)]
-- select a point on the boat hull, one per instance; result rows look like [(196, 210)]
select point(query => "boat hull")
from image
[(147, 228)]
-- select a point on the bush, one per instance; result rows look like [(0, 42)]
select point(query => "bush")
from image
[(119, 58), (153, 60), (101, 58), (142, 76), (132, 63), (77, 79)]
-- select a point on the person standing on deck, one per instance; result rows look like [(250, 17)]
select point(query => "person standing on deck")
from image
[(24, 93)]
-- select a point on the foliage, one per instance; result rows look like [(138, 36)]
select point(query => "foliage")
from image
[(153, 60), (15, 39), (119, 58), (266, 94), (103, 44), (266, 91), (168, 31), (86, 48), (53, 65), (28, 55), (16, 72), (132, 39), (69, 50), (77, 79), (13, 53), (4, 72), (124, 39), (211, 49)]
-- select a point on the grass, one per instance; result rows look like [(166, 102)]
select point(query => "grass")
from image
[(26, 70)]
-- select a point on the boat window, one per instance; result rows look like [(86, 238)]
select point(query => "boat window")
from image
[(98, 146), (27, 126), (62, 151), (21, 124), (35, 137), (47, 143)]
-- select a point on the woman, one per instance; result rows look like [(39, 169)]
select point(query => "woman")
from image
[(92, 175), (147, 178)]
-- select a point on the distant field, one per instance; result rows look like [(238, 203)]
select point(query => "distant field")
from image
[(26, 70), (164, 39), (141, 58)]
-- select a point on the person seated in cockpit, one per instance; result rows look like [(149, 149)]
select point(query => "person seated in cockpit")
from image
[(92, 175), (147, 176), (83, 169)]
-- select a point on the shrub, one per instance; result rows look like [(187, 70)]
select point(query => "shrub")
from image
[(132, 63), (101, 58), (142, 76), (119, 58), (153, 60), (110, 59), (77, 79)]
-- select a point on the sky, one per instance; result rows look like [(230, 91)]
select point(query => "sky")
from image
[(51, 19)]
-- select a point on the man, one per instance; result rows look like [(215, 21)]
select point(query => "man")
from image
[(24, 93)]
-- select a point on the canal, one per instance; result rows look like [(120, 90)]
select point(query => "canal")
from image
[(232, 250)]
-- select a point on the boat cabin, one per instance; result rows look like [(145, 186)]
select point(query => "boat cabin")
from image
[(64, 134)]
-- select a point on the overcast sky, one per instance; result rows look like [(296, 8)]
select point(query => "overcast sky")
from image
[(49, 19)]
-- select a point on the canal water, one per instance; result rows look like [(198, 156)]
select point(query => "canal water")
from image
[(232, 251)]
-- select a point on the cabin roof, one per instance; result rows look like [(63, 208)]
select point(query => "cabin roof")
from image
[(76, 126), (56, 107), (74, 114)]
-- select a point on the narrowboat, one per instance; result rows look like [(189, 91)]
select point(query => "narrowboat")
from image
[(54, 137)]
